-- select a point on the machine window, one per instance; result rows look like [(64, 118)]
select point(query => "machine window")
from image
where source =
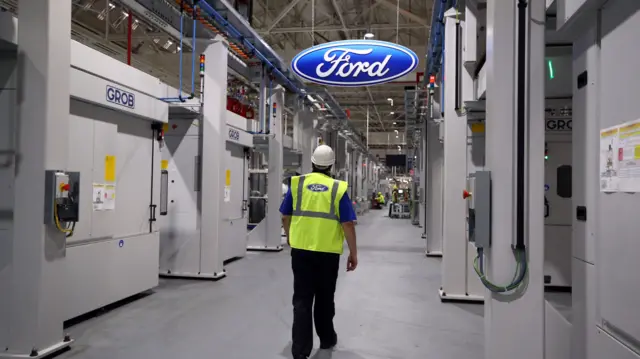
[(564, 189)]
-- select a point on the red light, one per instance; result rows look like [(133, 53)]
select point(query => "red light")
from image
[(432, 79)]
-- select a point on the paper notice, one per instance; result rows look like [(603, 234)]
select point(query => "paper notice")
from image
[(227, 193), (609, 180), (629, 157), (98, 197), (109, 197)]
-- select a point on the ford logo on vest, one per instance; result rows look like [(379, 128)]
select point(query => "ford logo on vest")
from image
[(317, 188), (354, 63)]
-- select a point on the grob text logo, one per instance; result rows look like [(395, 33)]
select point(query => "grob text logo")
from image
[(234, 134), (559, 125), (121, 97), (317, 188), (354, 63)]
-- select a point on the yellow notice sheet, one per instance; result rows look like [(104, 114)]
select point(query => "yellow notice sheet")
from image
[(629, 157), (110, 168), (609, 159)]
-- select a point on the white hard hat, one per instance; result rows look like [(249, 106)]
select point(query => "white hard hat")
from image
[(323, 156)]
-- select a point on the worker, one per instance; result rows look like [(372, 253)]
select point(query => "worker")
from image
[(381, 199), (317, 215), (394, 197)]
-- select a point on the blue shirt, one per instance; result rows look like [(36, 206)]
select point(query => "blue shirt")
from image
[(346, 208)]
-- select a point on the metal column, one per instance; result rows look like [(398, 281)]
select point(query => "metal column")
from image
[(272, 238), (33, 289), (456, 281), (213, 151), (503, 339)]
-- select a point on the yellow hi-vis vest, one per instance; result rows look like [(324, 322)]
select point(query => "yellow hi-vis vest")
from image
[(315, 223)]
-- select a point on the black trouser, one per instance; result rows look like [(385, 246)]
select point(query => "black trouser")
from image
[(314, 276)]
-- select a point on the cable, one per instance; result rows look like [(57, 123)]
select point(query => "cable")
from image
[(69, 232), (518, 278)]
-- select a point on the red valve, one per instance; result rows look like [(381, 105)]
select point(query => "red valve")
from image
[(466, 194), (65, 187)]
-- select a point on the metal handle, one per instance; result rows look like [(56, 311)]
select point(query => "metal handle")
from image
[(164, 192), (196, 174)]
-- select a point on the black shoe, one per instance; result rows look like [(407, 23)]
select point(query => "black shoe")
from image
[(300, 357), (329, 345)]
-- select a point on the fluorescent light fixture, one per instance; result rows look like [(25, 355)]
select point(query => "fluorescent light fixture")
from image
[(392, 113), (135, 24), (125, 14), (394, 123), (311, 99), (396, 136), (369, 35), (389, 99), (111, 6), (396, 131), (167, 44), (317, 105)]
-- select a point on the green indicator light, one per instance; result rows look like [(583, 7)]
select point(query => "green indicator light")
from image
[(550, 64), (546, 157)]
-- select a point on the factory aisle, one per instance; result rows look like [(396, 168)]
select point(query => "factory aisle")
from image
[(388, 308)]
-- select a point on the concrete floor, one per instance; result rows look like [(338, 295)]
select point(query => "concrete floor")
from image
[(388, 308)]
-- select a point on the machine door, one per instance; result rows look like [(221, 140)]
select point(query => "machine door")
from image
[(558, 190), (558, 214), (233, 212)]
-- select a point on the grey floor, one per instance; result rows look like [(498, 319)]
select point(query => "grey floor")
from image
[(388, 308)]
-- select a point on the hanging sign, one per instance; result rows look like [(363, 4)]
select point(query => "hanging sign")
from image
[(354, 63)]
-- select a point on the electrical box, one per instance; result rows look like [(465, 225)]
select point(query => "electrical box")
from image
[(482, 208), (62, 198)]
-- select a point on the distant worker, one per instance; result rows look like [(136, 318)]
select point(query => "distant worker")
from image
[(381, 198), (394, 198), (317, 215)]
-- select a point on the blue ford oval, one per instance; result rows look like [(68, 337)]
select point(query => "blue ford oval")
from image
[(317, 188), (354, 63)]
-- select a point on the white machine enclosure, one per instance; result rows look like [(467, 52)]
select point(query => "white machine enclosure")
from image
[(121, 133), (206, 169), (180, 225), (111, 255)]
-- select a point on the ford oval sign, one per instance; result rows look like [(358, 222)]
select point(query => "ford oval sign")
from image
[(317, 188), (354, 63)]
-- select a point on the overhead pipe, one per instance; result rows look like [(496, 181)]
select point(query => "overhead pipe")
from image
[(181, 52), (129, 34)]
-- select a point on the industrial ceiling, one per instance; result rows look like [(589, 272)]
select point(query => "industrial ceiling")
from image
[(287, 26)]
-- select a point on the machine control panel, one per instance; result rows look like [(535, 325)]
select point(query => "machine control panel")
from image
[(480, 209), (62, 198)]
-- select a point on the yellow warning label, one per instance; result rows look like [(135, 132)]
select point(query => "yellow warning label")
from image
[(636, 153), (477, 127), (165, 127), (164, 164), (228, 178), (110, 168)]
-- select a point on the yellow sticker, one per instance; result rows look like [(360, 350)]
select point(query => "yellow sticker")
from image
[(164, 164), (477, 127), (228, 178), (110, 168), (636, 152), (165, 127)]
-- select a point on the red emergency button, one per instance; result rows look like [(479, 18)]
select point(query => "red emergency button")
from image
[(466, 194), (64, 187)]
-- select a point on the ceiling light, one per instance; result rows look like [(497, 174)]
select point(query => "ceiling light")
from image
[(389, 99), (394, 123), (396, 136), (167, 44), (392, 113), (135, 25), (311, 99), (369, 35)]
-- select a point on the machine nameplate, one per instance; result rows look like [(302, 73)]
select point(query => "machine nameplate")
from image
[(558, 125), (234, 134), (121, 97)]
